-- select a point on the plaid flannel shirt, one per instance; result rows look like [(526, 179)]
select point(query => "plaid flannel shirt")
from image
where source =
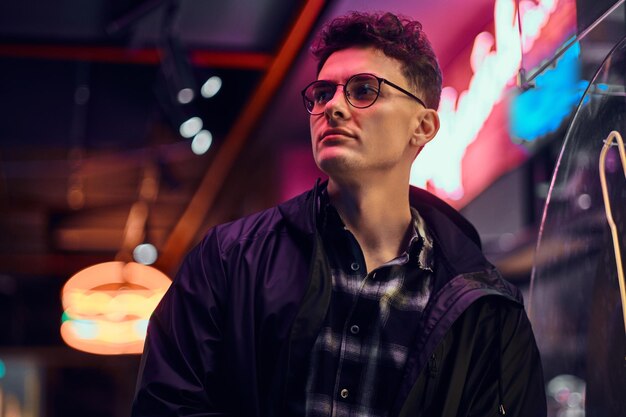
[(358, 359)]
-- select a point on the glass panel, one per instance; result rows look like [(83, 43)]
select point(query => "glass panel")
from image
[(575, 303)]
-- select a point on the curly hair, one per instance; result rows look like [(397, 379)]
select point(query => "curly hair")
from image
[(396, 36)]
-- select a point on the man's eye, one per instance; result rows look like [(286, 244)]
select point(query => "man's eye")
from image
[(363, 91), (322, 96)]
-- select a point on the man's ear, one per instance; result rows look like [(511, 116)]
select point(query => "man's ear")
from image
[(427, 128)]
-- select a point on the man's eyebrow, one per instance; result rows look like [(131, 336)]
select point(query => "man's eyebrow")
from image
[(330, 80), (349, 76)]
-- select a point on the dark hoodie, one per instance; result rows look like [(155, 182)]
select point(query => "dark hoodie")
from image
[(233, 334)]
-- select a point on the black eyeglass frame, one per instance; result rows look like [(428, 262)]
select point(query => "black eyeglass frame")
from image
[(347, 97)]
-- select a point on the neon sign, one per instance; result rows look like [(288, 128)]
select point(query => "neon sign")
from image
[(541, 110), (107, 307), (495, 62)]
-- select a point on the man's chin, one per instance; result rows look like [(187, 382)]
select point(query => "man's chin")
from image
[(336, 165)]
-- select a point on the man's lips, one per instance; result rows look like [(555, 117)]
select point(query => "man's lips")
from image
[(335, 132)]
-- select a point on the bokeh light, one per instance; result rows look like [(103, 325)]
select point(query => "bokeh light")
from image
[(202, 142), (190, 127), (211, 87)]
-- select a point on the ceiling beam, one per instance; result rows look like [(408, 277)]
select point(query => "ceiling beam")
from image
[(151, 56), (185, 231)]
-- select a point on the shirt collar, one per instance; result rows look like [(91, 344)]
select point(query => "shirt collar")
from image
[(420, 231)]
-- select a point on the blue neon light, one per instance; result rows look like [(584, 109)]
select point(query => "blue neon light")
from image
[(557, 91)]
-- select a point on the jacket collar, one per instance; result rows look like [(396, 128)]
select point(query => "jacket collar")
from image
[(302, 211), (455, 237)]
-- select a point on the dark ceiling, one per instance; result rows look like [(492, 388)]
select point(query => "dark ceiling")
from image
[(88, 110)]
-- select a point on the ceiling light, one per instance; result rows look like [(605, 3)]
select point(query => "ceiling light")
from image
[(190, 127), (178, 72), (185, 95), (202, 142), (145, 254), (211, 87)]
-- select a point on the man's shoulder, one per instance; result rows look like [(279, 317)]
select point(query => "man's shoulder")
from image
[(291, 214)]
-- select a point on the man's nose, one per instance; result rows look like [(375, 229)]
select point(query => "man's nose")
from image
[(337, 106)]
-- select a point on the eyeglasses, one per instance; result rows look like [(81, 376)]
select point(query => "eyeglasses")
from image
[(361, 91)]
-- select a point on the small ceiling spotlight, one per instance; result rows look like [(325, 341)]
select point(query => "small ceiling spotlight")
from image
[(178, 72), (185, 95), (145, 254), (190, 127), (211, 87), (202, 142)]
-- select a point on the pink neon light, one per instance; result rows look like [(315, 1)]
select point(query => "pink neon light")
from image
[(495, 62)]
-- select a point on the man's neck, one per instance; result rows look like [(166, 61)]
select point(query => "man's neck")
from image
[(378, 215)]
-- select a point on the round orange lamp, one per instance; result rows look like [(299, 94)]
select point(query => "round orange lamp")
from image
[(107, 307)]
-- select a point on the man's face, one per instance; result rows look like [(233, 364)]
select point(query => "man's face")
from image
[(351, 143)]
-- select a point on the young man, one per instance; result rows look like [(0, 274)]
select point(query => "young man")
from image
[(361, 297)]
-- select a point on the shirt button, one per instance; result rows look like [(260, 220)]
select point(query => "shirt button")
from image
[(354, 329), (344, 393), (354, 266)]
